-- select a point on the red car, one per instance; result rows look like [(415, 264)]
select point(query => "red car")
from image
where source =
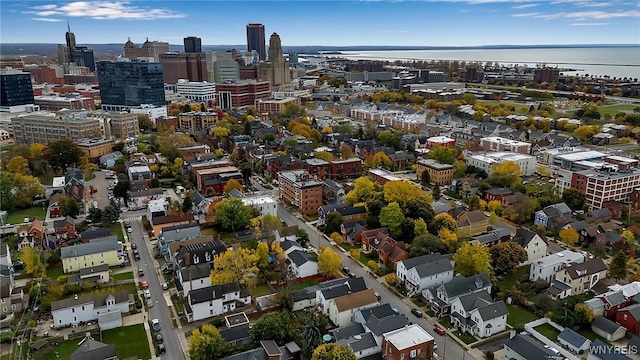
[(144, 284), (439, 330)]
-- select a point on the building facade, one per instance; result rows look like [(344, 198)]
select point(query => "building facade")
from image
[(241, 93), (439, 174), (602, 186), (256, 40), (15, 88), (72, 102), (189, 66), (487, 161), (298, 189), (496, 143), (197, 121), (201, 92), (95, 148), (44, 128), (192, 44), (150, 50), (129, 84), (276, 70)]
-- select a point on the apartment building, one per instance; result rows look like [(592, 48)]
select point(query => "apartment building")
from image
[(496, 143), (241, 93), (120, 125), (297, 188), (46, 127), (440, 174), (601, 186), (55, 103), (197, 91), (345, 169), (94, 148), (197, 121), (487, 161), (275, 105)]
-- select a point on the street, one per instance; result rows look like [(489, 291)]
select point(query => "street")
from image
[(446, 347), (161, 298)]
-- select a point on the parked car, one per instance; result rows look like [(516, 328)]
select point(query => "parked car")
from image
[(345, 270), (395, 310), (141, 272), (155, 324), (161, 349), (351, 274), (144, 284), (165, 286), (159, 338), (147, 294), (378, 296), (416, 312), (149, 303), (439, 330)]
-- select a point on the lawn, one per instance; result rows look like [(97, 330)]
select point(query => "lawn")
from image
[(509, 280), (303, 284), (116, 229), (614, 109), (55, 272), (260, 290), (419, 301), (519, 316), (63, 350), (468, 339), (129, 341), (123, 276), (589, 334), (548, 331), (17, 216), (131, 288)]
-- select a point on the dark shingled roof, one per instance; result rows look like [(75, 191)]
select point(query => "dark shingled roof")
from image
[(529, 348), (605, 325), (572, 337), (359, 342), (413, 262), (347, 331), (300, 257), (460, 285), (386, 324), (380, 311), (93, 350), (608, 352), (211, 292), (235, 333)]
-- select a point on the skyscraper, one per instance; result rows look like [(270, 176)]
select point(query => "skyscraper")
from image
[(256, 39), (189, 66), (129, 84), (81, 55), (15, 88), (150, 49), (71, 37), (276, 69), (192, 44)]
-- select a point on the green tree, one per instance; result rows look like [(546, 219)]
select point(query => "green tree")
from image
[(68, 206), (276, 326), (121, 190), (187, 204), (333, 352), (505, 257), (95, 214), (471, 259), (231, 215), (329, 263), (311, 334), (333, 222), (443, 154), (302, 237), (271, 223), (144, 122), (435, 192), (7, 198), (62, 154), (110, 214), (522, 211), (507, 174), (206, 343), (392, 217), (426, 244), (26, 188), (419, 227), (574, 198), (426, 178), (618, 266)]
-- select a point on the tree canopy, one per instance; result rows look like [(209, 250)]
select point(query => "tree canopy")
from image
[(507, 174), (277, 326), (231, 215), (391, 216), (443, 154), (472, 259), (329, 263), (238, 266), (574, 198), (206, 343), (333, 351), (505, 257)]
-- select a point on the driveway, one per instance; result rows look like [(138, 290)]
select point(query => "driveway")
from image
[(101, 184)]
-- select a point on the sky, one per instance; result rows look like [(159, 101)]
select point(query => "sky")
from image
[(327, 23)]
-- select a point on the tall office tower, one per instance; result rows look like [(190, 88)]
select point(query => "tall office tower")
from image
[(276, 70), (15, 89), (150, 50), (128, 84), (255, 40), (83, 56), (71, 37), (189, 66), (192, 44)]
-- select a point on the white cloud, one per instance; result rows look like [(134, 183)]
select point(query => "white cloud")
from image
[(525, 6), (105, 10), (534, 14), (588, 24), (583, 15), (46, 19)]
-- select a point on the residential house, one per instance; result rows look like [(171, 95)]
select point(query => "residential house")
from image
[(371, 239), (94, 232), (472, 223), (90, 307), (176, 234), (629, 317), (196, 251), (140, 194), (331, 192), (350, 230), (546, 267), (329, 290), (94, 350), (513, 200), (425, 271), (94, 275), (601, 351), (478, 314), (608, 329), (391, 252), (342, 309), (401, 159), (497, 194), (576, 279), (407, 343), (534, 244), (612, 301), (109, 160), (598, 216), (156, 208), (96, 252), (12, 298), (494, 237), (163, 221), (544, 216), (264, 203), (215, 300), (523, 347), (65, 228), (269, 350), (301, 264), (194, 277), (574, 341), (303, 299), (74, 185), (379, 320), (349, 213), (288, 246), (287, 233), (441, 296), (363, 344), (237, 335)]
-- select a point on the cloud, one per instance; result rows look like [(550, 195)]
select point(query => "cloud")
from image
[(525, 6), (104, 10), (588, 24), (583, 15), (585, 3), (473, 2), (46, 19), (534, 14)]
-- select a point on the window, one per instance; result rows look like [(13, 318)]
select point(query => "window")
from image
[(413, 353), (73, 310), (401, 356)]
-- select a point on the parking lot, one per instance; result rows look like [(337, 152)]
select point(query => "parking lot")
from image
[(101, 195)]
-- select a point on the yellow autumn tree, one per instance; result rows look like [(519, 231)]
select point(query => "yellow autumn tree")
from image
[(232, 184), (329, 263), (507, 174), (403, 192), (362, 189), (569, 236), (238, 266)]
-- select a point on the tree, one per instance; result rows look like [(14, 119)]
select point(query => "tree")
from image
[(569, 236), (404, 193), (426, 178), (324, 155), (507, 174), (472, 259), (629, 237), (276, 326), (62, 154), (574, 198), (206, 343), (121, 190), (426, 244), (110, 214), (494, 206), (443, 154), (346, 152), (392, 217), (435, 192), (618, 265), (362, 190), (270, 224), (522, 211), (493, 219), (18, 165), (419, 227), (26, 188), (311, 334), (68, 206), (329, 263), (95, 214), (262, 250), (585, 132), (380, 159), (333, 351), (232, 215), (448, 237), (583, 314), (232, 184), (238, 266), (32, 258), (187, 204), (336, 238), (144, 122), (302, 237), (505, 257), (444, 220), (7, 197), (333, 222)]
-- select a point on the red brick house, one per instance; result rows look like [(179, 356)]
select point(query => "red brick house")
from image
[(345, 169), (371, 240), (615, 207), (54, 205), (409, 342), (629, 317), (392, 251), (497, 194)]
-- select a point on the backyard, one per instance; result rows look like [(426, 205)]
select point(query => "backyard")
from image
[(548, 331), (123, 276), (116, 229), (55, 272), (509, 280), (260, 290), (519, 316), (17, 216)]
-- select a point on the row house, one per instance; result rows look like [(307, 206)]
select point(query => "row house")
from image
[(351, 229), (534, 243), (194, 278), (197, 251), (546, 267), (214, 180), (96, 252), (348, 213)]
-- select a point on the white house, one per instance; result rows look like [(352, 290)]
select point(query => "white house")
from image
[(96, 274), (215, 300), (441, 296), (476, 313), (329, 290), (288, 246), (195, 277), (533, 244), (301, 265), (264, 203), (425, 271), (156, 208), (342, 310), (73, 310), (574, 341), (546, 267)]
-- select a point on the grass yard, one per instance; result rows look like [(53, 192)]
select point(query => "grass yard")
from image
[(131, 288), (589, 334), (12, 241), (519, 316), (614, 109), (260, 290), (509, 280), (63, 350), (468, 339), (303, 284), (129, 340), (54, 273), (116, 229), (123, 276), (17, 216), (419, 301), (548, 331)]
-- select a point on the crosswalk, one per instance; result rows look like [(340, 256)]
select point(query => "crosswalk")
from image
[(134, 218)]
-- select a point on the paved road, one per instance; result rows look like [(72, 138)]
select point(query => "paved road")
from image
[(160, 309), (447, 348)]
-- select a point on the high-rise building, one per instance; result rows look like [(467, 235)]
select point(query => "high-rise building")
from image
[(149, 50), (225, 67), (192, 44), (129, 84), (256, 40), (241, 93), (276, 70), (83, 56), (70, 37), (15, 88), (189, 66)]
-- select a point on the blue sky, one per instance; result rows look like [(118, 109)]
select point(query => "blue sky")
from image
[(329, 23)]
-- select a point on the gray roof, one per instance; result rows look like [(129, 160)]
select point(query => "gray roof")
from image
[(95, 246), (607, 352), (634, 310), (211, 293), (299, 257), (432, 268), (355, 284), (347, 331), (235, 333), (474, 300), (579, 225), (178, 232), (572, 337), (97, 300), (528, 348), (303, 294), (359, 342), (493, 311), (601, 213), (381, 311), (287, 244), (196, 272), (94, 269), (615, 298), (605, 325), (93, 350), (424, 259), (95, 232), (386, 324), (460, 285)]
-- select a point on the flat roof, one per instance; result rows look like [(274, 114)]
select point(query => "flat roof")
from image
[(501, 156), (559, 257), (408, 336), (385, 174), (435, 164), (223, 169), (583, 155), (505, 141), (257, 200)]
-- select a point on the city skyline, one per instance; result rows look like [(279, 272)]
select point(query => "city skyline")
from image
[(328, 23)]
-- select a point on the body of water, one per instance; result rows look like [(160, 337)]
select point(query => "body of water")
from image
[(617, 62)]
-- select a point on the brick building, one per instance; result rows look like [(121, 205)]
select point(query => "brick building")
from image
[(241, 93), (602, 186), (439, 174), (298, 189)]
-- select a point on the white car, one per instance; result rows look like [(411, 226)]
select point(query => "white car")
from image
[(147, 294), (150, 303)]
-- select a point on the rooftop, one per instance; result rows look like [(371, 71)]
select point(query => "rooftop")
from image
[(408, 336)]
